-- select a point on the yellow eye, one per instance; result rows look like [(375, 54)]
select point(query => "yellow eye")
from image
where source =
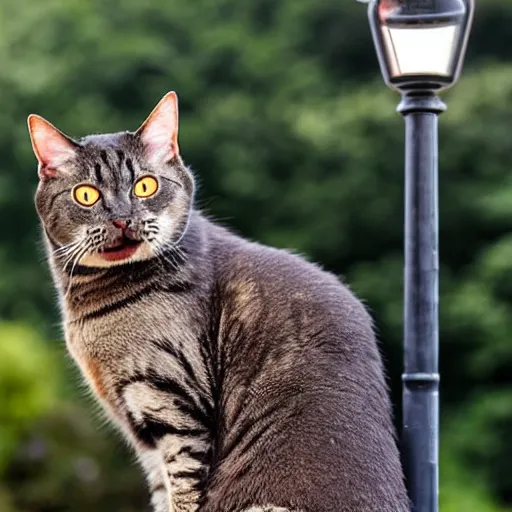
[(145, 187), (86, 195)]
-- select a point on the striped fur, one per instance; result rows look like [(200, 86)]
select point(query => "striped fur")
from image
[(246, 378)]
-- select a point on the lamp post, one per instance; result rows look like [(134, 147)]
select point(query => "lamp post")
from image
[(421, 45)]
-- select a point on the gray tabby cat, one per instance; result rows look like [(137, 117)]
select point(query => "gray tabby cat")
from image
[(244, 377)]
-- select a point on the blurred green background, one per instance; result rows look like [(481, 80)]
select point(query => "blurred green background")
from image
[(295, 142)]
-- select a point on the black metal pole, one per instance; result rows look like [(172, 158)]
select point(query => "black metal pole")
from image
[(421, 334)]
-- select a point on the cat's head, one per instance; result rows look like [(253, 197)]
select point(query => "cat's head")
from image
[(111, 199)]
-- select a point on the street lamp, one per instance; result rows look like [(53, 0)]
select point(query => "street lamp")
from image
[(421, 45)]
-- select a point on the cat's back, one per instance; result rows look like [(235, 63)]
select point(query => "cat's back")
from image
[(306, 420)]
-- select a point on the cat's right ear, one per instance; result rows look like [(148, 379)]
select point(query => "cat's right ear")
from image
[(51, 147)]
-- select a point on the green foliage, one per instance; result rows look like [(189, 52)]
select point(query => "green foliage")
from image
[(460, 491), (296, 143), (28, 385), (50, 451)]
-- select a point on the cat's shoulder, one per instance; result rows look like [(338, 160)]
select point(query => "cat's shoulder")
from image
[(238, 254), (273, 270)]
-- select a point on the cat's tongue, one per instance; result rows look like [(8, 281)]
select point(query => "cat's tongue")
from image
[(121, 251)]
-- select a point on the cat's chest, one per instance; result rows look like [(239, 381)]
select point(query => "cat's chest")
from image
[(148, 337)]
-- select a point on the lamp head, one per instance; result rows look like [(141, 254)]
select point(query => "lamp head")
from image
[(420, 43)]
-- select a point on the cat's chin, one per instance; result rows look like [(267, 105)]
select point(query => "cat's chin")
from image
[(118, 256)]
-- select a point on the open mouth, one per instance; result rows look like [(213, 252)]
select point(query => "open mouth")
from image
[(121, 249)]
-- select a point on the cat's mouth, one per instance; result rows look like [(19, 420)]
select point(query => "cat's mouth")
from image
[(121, 249)]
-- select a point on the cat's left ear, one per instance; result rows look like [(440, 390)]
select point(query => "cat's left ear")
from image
[(51, 147), (159, 132)]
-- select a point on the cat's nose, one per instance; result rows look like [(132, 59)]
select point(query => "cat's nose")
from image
[(120, 224)]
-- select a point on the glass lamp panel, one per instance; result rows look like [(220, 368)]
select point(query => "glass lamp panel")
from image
[(415, 50)]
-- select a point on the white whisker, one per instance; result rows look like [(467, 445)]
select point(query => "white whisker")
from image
[(79, 256), (73, 253), (66, 249)]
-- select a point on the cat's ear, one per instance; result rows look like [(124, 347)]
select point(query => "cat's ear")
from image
[(159, 132), (51, 147)]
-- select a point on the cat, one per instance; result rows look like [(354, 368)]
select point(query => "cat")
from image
[(245, 378)]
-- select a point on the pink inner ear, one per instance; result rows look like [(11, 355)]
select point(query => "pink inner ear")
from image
[(51, 147), (159, 133)]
